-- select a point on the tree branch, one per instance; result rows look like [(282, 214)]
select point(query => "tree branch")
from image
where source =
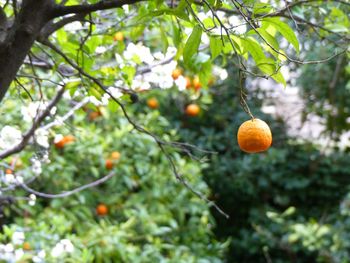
[(68, 193), (88, 8), (25, 139)]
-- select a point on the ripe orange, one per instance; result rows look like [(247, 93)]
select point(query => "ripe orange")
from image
[(196, 83), (26, 246), (188, 83), (60, 144), (66, 139), (69, 139), (8, 171), (153, 103), (109, 164), (176, 73), (101, 210), (254, 136), (192, 110), (94, 115), (119, 36), (115, 155)]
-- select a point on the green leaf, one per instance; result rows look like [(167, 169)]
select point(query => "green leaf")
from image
[(215, 47), (165, 42), (285, 30), (269, 67), (192, 44)]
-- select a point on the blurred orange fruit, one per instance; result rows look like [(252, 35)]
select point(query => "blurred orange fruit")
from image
[(153, 103), (196, 83), (176, 73), (109, 164), (119, 36), (188, 83), (101, 210), (115, 155), (192, 110), (26, 246)]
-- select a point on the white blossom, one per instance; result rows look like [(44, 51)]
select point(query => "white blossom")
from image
[(33, 109), (100, 50), (42, 138), (140, 51), (181, 83), (18, 238), (40, 257), (64, 246), (9, 136), (220, 73), (32, 200), (36, 166)]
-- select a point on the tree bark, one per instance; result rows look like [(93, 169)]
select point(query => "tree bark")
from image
[(34, 14)]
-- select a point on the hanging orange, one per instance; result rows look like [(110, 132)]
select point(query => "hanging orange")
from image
[(254, 136)]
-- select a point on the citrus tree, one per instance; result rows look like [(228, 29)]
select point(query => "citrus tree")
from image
[(73, 75)]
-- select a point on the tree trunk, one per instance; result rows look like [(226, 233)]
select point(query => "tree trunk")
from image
[(20, 38)]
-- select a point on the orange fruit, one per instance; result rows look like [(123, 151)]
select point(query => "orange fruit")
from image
[(192, 110), (94, 115), (119, 36), (26, 246), (254, 136), (176, 73), (196, 83), (68, 139), (153, 103), (8, 171), (101, 210), (60, 144), (115, 155), (188, 83), (109, 164)]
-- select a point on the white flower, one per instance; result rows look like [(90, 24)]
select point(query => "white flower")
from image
[(181, 83), (32, 200), (36, 167), (100, 50), (19, 254), (139, 83), (220, 72), (116, 93), (8, 248), (95, 101), (40, 257), (67, 245), (33, 109), (57, 250), (9, 137), (42, 138), (161, 75), (18, 238), (9, 179), (139, 51), (64, 246)]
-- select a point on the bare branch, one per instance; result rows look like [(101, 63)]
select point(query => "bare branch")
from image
[(68, 193)]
